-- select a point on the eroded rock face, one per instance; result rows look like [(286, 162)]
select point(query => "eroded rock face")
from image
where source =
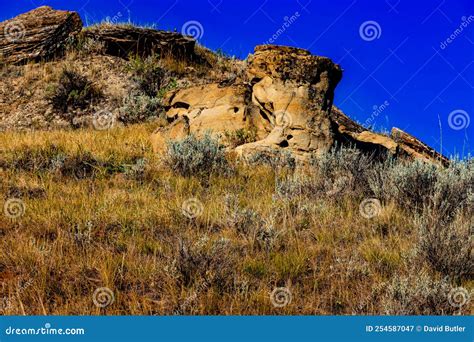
[(125, 40), (286, 103), (294, 90), (416, 149), (40, 34), (399, 144), (214, 109)]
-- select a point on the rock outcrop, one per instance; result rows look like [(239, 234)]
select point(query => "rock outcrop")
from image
[(279, 99), (125, 40), (286, 102), (294, 91), (40, 34), (399, 144)]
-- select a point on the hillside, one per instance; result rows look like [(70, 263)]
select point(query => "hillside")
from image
[(141, 173)]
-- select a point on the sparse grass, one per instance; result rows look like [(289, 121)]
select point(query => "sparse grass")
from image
[(122, 226)]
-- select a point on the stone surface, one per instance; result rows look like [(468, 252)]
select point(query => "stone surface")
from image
[(415, 148), (125, 40), (40, 34), (177, 130), (215, 109), (294, 91), (399, 144)]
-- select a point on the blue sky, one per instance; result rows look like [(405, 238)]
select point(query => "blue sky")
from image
[(400, 69)]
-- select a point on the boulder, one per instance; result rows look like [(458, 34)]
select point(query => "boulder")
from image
[(125, 40), (294, 91), (40, 34)]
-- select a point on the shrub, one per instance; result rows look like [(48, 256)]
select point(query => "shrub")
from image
[(344, 167), (453, 191), (243, 220), (419, 185), (447, 246), (139, 108), (147, 74), (202, 260), (193, 156), (240, 136), (418, 294), (410, 184), (276, 159), (73, 91)]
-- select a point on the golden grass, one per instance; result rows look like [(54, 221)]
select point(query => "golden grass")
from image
[(127, 232)]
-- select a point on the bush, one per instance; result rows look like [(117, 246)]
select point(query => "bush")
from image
[(419, 185), (453, 191), (193, 156), (345, 165), (240, 136), (147, 74), (139, 108), (410, 184), (277, 160), (447, 246), (73, 91), (418, 294)]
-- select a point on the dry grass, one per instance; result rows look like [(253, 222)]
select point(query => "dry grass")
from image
[(122, 226)]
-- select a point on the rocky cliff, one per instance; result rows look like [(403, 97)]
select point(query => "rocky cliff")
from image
[(279, 99)]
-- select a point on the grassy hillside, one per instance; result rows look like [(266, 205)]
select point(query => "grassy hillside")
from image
[(90, 216)]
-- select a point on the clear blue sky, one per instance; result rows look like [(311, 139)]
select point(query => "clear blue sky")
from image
[(407, 65)]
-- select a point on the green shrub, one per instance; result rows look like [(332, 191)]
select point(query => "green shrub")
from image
[(147, 74), (345, 165), (193, 156), (277, 160), (73, 91), (139, 109), (447, 246)]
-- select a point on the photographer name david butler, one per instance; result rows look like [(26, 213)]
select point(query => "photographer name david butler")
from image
[(443, 328)]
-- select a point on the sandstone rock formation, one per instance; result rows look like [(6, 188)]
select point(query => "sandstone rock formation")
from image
[(399, 144), (294, 92), (38, 34), (282, 95), (125, 40), (287, 103)]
